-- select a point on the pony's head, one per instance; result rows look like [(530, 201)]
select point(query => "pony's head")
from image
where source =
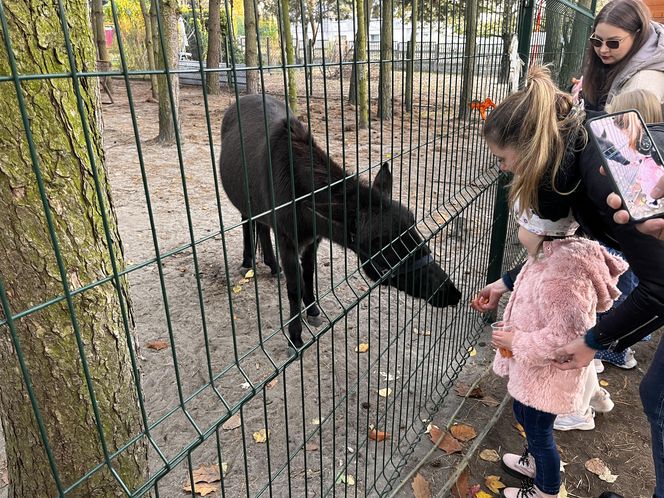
[(390, 247)]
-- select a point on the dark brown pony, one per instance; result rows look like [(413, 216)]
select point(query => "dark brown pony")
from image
[(298, 191)]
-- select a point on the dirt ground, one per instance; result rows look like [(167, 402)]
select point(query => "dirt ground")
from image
[(621, 438)]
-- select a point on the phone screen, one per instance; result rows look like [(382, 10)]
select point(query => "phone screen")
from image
[(632, 160)]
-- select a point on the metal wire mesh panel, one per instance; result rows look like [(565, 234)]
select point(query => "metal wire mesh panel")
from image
[(270, 308)]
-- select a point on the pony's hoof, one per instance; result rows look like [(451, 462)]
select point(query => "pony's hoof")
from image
[(315, 320)]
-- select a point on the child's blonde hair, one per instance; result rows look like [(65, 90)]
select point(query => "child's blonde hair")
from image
[(643, 101), (537, 122)]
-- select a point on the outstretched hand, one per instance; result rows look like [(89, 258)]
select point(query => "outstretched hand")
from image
[(488, 298), (575, 354)]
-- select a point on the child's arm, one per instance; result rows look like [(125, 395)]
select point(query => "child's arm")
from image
[(570, 309)]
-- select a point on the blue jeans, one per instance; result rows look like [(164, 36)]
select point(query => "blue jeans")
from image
[(539, 434), (652, 397)]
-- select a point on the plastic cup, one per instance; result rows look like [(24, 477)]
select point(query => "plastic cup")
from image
[(504, 326)]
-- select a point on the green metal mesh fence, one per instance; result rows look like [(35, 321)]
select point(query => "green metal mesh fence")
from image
[(205, 374)]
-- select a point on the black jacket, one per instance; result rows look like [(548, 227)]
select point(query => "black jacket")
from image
[(643, 311)]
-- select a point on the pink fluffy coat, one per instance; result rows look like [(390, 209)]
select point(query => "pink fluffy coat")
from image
[(554, 301)]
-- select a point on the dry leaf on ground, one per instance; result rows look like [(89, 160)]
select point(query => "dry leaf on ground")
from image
[(385, 392), (311, 446), (463, 432), (378, 435), (232, 423), (482, 494), (493, 483), (448, 444), (603, 383), (272, 383), (598, 467), (563, 491), (249, 274), (207, 473), (460, 488), (489, 400), (157, 345), (472, 351), (421, 488), (520, 428), (201, 488), (489, 455), (237, 289), (363, 347), (261, 436), (463, 390), (346, 479)]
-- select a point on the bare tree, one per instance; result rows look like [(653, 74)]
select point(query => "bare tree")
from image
[(469, 57), (361, 65), (410, 65), (100, 39), (287, 39), (145, 11), (251, 45), (386, 47), (214, 47)]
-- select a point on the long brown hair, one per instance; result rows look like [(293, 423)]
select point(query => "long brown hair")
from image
[(632, 16), (537, 122)]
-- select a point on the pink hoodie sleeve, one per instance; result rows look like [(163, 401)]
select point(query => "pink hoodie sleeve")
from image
[(570, 309)]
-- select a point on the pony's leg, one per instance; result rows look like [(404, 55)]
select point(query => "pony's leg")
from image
[(292, 271), (309, 295), (268, 252), (247, 250)]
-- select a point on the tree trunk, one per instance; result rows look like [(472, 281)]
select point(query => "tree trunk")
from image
[(468, 58), (352, 87), (168, 115), (386, 46), (31, 276), (214, 47), (150, 48), (574, 51), (100, 37), (506, 35), (251, 45), (361, 66), (410, 65), (287, 38)]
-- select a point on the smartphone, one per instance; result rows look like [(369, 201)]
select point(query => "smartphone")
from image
[(631, 160)]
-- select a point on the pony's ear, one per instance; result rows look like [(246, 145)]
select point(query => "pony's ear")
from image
[(383, 180)]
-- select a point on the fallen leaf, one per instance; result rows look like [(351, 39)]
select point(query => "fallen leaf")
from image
[(237, 288), (483, 494), (157, 345), (232, 423), (201, 488), (350, 450), (474, 489), (562, 492), (347, 479), (463, 432), (389, 377), (472, 351), (603, 383), (460, 488), (378, 435), (209, 473), (245, 385), (315, 421), (489, 455), (489, 400), (493, 483), (243, 281), (463, 391), (421, 488), (384, 393), (249, 274), (261, 436), (311, 447), (272, 383), (520, 428), (363, 347), (448, 443), (598, 467)]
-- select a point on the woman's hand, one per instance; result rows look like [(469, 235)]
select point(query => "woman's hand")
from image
[(488, 298), (502, 339)]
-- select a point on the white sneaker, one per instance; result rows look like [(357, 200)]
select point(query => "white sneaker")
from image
[(601, 401), (599, 366), (519, 466), (575, 422)]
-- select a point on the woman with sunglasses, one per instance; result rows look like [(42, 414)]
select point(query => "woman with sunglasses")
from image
[(625, 52)]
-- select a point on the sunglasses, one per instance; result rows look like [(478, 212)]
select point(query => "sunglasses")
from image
[(610, 44)]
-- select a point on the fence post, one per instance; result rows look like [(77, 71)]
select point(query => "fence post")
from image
[(498, 232), (525, 34)]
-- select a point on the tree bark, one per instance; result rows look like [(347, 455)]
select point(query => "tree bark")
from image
[(214, 47), (506, 35), (469, 58), (149, 46), (361, 66), (287, 38), (31, 276), (410, 65), (168, 116), (386, 47), (100, 37), (251, 45)]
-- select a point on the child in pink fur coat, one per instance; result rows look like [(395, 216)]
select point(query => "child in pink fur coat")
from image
[(565, 281)]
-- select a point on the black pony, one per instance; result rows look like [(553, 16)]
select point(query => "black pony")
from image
[(362, 218)]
